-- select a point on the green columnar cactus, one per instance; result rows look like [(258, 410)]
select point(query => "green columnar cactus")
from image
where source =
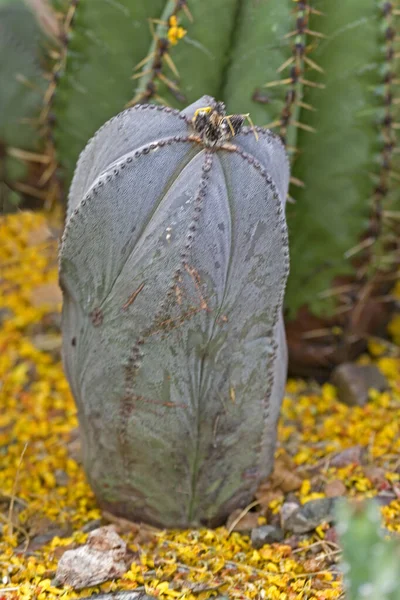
[(370, 563), (21, 94), (322, 74), (173, 267)]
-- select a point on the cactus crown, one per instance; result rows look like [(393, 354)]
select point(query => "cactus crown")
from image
[(215, 126)]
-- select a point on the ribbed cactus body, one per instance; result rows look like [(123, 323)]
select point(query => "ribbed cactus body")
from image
[(173, 266)]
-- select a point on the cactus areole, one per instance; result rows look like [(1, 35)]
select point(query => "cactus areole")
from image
[(173, 266)]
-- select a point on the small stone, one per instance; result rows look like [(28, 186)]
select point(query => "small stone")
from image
[(335, 488), (287, 510), (310, 515), (353, 382), (106, 538), (104, 557), (266, 534), (349, 456)]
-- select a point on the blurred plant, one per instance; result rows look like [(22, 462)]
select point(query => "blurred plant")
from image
[(370, 563)]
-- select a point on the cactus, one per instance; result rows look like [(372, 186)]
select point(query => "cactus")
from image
[(370, 563), (320, 74), (21, 92), (173, 266)]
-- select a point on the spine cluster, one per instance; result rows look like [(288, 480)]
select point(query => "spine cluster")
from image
[(154, 74), (49, 179)]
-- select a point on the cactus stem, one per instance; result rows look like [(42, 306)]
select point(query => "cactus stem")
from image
[(49, 176), (297, 63), (171, 33), (153, 55), (386, 174)]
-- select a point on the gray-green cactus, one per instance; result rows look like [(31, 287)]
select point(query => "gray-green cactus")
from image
[(173, 267), (323, 74)]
